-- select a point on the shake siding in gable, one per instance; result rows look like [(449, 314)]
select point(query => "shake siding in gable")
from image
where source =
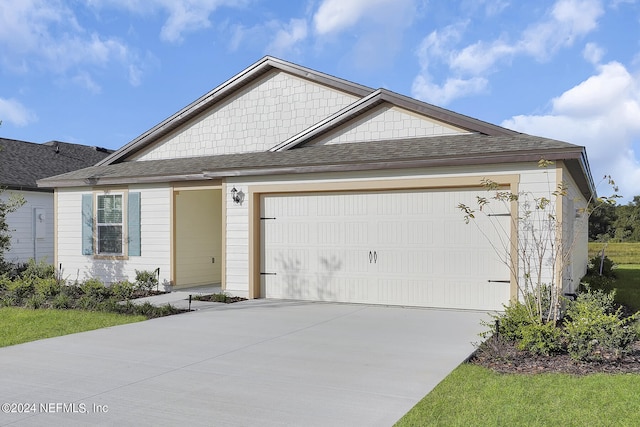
[(386, 122), (265, 113)]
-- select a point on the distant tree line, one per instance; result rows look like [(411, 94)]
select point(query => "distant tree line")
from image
[(616, 223)]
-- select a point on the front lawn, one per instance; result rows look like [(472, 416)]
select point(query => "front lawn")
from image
[(473, 395), (476, 396), (20, 325)]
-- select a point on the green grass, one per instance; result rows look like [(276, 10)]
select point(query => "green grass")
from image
[(627, 285), (475, 396), (20, 325), (620, 253)]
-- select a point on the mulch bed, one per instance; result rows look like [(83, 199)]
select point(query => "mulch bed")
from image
[(216, 298), (140, 293), (505, 358)]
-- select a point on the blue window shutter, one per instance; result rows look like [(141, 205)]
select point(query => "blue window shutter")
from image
[(133, 224), (87, 224)]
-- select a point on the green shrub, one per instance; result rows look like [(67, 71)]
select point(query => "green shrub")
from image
[(39, 270), (595, 331), (168, 310), (147, 309), (146, 280), (608, 267), (109, 305), (604, 283), (22, 288), (510, 324), (35, 301), (62, 301), (123, 290), (94, 288), (5, 282), (87, 302), (47, 287), (541, 338), (9, 300), (73, 291), (592, 301)]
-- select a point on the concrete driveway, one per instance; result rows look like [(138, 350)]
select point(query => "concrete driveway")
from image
[(259, 362)]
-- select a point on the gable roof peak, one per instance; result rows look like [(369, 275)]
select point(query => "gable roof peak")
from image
[(221, 91)]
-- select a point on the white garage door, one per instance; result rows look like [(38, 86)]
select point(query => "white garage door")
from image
[(393, 247)]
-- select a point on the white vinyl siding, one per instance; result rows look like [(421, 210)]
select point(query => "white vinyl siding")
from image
[(155, 230)]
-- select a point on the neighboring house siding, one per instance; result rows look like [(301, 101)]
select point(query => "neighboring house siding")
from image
[(155, 215), (256, 118), (388, 122), (31, 236)]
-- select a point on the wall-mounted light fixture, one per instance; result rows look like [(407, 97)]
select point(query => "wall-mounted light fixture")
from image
[(237, 196)]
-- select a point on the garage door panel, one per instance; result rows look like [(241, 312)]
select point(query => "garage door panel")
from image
[(397, 247)]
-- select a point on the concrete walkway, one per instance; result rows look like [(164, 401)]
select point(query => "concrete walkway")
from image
[(252, 363), (180, 298)]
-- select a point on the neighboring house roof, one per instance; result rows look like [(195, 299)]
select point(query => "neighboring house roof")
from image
[(449, 150), (22, 163)]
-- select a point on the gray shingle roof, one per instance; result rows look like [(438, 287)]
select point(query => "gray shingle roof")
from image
[(416, 152), (23, 163)]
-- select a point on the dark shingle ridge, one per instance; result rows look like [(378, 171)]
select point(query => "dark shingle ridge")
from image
[(22, 163), (448, 150)]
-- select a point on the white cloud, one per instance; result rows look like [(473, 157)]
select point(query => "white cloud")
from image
[(561, 26), (593, 53), (14, 112), (566, 21), (603, 114), (452, 88), (287, 36), (84, 79), (334, 16), (45, 35), (183, 16), (480, 57)]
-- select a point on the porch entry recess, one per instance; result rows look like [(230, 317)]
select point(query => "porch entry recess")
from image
[(404, 247)]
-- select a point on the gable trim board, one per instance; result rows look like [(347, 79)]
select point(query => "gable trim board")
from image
[(383, 150)]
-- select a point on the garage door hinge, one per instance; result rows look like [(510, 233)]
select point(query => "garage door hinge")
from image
[(502, 214), (261, 218), (499, 281), (268, 274)]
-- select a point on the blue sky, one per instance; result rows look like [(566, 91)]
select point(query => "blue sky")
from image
[(101, 72)]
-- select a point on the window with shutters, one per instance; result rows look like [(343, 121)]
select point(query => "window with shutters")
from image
[(111, 224)]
